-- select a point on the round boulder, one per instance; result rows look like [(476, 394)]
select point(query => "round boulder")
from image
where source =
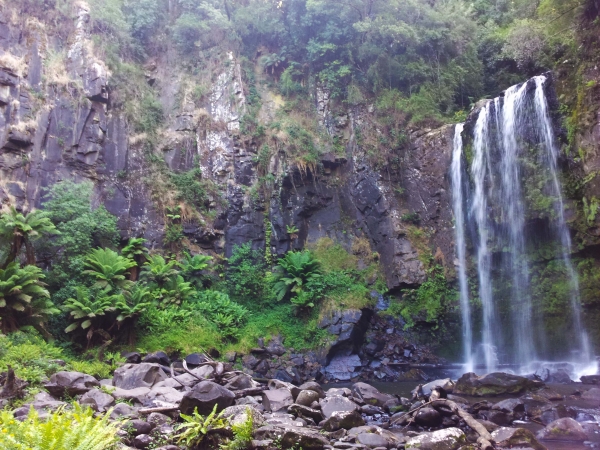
[(204, 396), (565, 429)]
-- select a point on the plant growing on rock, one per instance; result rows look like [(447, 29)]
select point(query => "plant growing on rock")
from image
[(293, 271), (24, 300), (21, 229), (197, 428)]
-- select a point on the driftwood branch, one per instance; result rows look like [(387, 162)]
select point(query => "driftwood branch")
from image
[(160, 409), (485, 438)]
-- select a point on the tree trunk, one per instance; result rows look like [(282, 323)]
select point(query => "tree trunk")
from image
[(29, 252), (15, 246)]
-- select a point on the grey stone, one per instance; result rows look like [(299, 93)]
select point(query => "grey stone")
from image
[(305, 411), (565, 429), (447, 439), (296, 437), (497, 383), (330, 405), (131, 376), (136, 427), (343, 419), (70, 383), (103, 401), (370, 395), (306, 397), (137, 395), (142, 441), (516, 437), (204, 396), (277, 399)]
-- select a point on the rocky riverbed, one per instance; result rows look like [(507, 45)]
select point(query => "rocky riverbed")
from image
[(496, 410)]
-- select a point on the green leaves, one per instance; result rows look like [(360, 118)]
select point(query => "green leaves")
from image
[(23, 297), (217, 307), (294, 270), (197, 427), (108, 268)]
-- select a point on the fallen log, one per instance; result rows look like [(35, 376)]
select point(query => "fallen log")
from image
[(484, 434), (159, 409)]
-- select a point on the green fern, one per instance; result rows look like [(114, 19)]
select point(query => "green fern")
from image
[(62, 430), (197, 427)]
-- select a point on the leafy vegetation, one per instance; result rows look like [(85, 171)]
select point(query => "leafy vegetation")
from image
[(75, 429)]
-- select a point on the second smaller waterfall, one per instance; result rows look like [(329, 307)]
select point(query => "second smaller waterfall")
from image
[(458, 201)]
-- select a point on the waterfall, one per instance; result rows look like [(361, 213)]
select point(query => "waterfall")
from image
[(458, 199), (584, 357), (514, 163)]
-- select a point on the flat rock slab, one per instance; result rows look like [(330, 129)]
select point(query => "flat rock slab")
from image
[(497, 383)]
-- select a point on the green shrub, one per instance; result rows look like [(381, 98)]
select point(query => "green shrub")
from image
[(29, 355), (62, 430), (228, 316), (246, 282), (430, 301), (293, 271), (24, 300), (197, 427)]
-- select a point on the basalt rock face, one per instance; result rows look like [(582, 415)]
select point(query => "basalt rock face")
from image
[(62, 121)]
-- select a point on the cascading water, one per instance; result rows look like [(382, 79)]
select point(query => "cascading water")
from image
[(514, 170), (458, 199)]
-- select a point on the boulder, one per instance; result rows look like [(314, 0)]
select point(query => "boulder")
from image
[(516, 437), (292, 437), (136, 427), (204, 396), (277, 399), (278, 384), (448, 439), (305, 411), (137, 395), (102, 400), (142, 441), (131, 376), (70, 384), (370, 395), (447, 384), (242, 381), (195, 359), (165, 394), (330, 405), (122, 410), (313, 386), (132, 357), (590, 379), (306, 397), (343, 419), (157, 358), (592, 394), (237, 415), (497, 383), (428, 417), (511, 405), (372, 440), (565, 429)]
